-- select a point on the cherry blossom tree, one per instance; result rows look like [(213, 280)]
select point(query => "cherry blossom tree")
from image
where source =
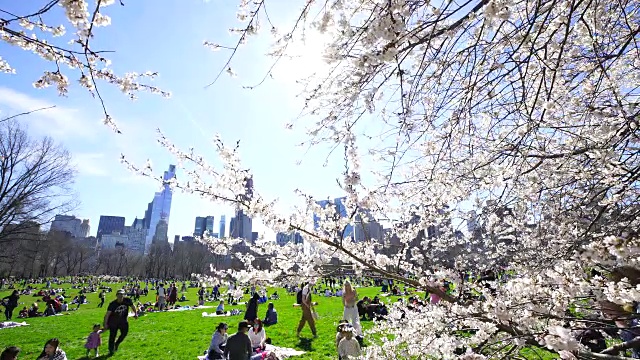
[(522, 112)]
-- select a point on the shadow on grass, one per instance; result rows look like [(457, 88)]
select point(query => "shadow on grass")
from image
[(306, 344), (101, 357)]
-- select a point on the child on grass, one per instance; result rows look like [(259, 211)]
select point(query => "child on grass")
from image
[(348, 348), (93, 340)]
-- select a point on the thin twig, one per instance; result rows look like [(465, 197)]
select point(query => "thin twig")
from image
[(27, 113)]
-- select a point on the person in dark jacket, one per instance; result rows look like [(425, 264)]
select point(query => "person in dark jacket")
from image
[(10, 304), (252, 308), (239, 345), (271, 317)]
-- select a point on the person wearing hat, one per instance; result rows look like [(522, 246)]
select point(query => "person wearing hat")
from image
[(348, 348), (116, 319), (239, 345)]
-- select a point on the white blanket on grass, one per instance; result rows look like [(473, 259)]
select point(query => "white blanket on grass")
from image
[(206, 314), (186, 308), (281, 353), (11, 324)]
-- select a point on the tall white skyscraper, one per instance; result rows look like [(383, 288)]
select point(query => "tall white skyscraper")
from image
[(160, 207)]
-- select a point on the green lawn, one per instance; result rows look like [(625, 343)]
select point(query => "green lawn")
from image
[(172, 335)]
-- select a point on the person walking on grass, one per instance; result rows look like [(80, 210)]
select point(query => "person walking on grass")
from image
[(93, 340), (307, 314), (10, 304), (116, 319), (102, 296)]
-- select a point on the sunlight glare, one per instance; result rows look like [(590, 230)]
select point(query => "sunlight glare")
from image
[(303, 58)]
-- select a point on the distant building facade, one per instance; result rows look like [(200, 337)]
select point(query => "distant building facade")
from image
[(161, 236), (77, 228), (367, 227), (110, 241), (110, 225), (283, 238)]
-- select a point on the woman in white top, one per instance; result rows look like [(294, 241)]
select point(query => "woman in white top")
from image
[(257, 335), (349, 300)]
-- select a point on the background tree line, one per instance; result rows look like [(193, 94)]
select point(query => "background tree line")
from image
[(54, 253)]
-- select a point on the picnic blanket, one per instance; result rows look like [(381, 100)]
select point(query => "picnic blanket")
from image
[(186, 308), (206, 314), (11, 324), (281, 352), (183, 308)]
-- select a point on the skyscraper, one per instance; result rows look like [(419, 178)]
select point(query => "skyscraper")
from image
[(209, 225), (110, 225), (159, 210), (198, 229), (203, 225), (223, 220), (241, 225)]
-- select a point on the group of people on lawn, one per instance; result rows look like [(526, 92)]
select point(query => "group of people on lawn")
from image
[(250, 341), (115, 320)]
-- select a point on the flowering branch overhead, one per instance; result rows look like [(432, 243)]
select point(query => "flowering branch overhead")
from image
[(498, 138), (30, 32)]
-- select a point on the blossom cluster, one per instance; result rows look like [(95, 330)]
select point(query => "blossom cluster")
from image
[(32, 32), (506, 141)]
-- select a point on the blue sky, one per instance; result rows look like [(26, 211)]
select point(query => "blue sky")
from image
[(168, 39)]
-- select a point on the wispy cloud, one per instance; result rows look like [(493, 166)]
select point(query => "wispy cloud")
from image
[(58, 122), (91, 164)]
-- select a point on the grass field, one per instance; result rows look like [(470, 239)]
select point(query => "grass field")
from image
[(172, 335)]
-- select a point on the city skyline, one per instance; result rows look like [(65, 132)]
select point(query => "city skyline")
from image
[(190, 118)]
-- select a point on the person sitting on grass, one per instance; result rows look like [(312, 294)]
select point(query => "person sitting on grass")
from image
[(239, 345), (363, 308), (10, 353), (218, 342), (52, 351), (24, 313), (220, 308), (258, 336), (271, 318), (33, 310), (50, 311)]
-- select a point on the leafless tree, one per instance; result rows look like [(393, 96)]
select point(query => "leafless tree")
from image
[(35, 179)]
